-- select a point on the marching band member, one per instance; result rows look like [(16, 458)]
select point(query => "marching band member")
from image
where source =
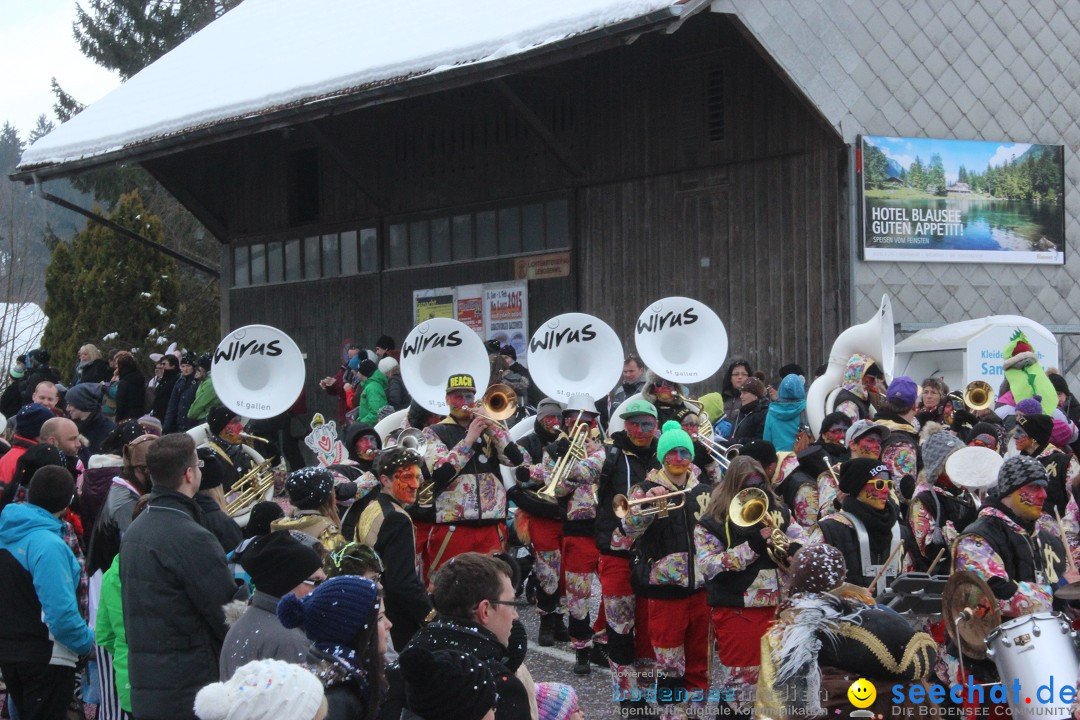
[(704, 460), (900, 450), (385, 527), (868, 528), (1032, 437), (939, 510), (664, 571), (628, 459), (311, 492), (225, 427), (802, 489), (1021, 563), (463, 456), (742, 579), (662, 393), (580, 556), (362, 444), (861, 389), (545, 519)]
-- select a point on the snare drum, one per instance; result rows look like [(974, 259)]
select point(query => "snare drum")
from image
[(1037, 650)]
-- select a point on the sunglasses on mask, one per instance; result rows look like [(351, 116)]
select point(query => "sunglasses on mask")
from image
[(880, 484)]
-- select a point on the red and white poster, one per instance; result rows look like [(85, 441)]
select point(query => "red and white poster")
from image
[(506, 314)]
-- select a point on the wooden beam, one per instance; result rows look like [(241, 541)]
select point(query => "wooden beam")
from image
[(533, 121), (195, 206), (346, 163)]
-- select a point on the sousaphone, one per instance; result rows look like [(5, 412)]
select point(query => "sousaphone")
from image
[(574, 354), (433, 351), (258, 371)]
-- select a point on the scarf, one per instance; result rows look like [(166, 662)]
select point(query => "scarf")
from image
[(878, 523)]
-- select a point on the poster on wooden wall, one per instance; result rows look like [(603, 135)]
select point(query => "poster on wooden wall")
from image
[(470, 306), (963, 201), (427, 304), (506, 314)]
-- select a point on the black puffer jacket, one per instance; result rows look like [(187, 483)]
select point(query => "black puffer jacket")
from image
[(174, 580), (163, 394), (130, 396), (478, 642), (750, 421), (183, 394), (625, 465)]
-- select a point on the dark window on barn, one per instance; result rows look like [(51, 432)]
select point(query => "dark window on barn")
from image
[(369, 250), (714, 102), (557, 228), (419, 249), (399, 245), (294, 269), (275, 262), (462, 234), (487, 234), (532, 227), (258, 264), (510, 231), (302, 186), (440, 241), (331, 256), (349, 253), (312, 269)]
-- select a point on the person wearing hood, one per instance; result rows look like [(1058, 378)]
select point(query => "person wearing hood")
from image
[(181, 397), (311, 492), (226, 430), (373, 395), (397, 395), (446, 685), (662, 393), (278, 565), (868, 528), (97, 479), (861, 388), (939, 510), (363, 445), (803, 489), (43, 634), (786, 415), (749, 423), (84, 407), (628, 459)]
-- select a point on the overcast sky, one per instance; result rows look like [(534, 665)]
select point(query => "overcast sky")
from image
[(36, 44)]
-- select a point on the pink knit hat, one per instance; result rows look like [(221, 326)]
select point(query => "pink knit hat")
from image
[(555, 701)]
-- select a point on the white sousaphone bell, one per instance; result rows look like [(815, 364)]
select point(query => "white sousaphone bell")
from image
[(258, 371), (680, 339), (433, 351), (874, 338), (575, 354)]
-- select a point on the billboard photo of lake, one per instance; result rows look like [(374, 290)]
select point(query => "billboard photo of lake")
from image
[(929, 200)]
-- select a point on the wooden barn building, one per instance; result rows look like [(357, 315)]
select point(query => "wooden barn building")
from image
[(347, 154)]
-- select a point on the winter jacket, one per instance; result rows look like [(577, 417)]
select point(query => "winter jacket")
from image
[(95, 371), (372, 398), (19, 445), (39, 574), (109, 632), (163, 394), (112, 522), (385, 526), (96, 482), (180, 400), (468, 483), (837, 530), (624, 391), (785, 416), (259, 635), (396, 392), (750, 421), (130, 396), (214, 519), (625, 465), (12, 398), (205, 398), (95, 429), (735, 564), (174, 581), (477, 642)]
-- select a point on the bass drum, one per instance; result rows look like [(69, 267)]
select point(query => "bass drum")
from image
[(201, 435), (1029, 649)]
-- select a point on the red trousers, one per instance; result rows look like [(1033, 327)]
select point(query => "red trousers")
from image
[(422, 530), (614, 574), (448, 541), (738, 634), (682, 623), (546, 534)]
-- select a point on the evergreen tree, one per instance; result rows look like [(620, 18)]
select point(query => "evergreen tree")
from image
[(916, 175), (875, 167), (936, 174), (103, 283)]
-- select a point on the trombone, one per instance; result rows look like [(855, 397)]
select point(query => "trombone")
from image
[(659, 505), (575, 454), (497, 404), (719, 453), (250, 488)]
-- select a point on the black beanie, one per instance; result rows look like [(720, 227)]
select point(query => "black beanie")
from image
[(218, 418), (52, 488), (855, 473), (1039, 427), (446, 684), (214, 469), (309, 487), (367, 368), (35, 458), (1060, 383), (262, 514), (386, 343), (834, 418), (508, 350), (277, 562), (761, 450)]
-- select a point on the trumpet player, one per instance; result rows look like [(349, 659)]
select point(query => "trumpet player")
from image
[(627, 461), (463, 453), (741, 574), (664, 571), (802, 489), (704, 459), (225, 428)]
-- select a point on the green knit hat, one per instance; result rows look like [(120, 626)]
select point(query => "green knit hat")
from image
[(673, 437)]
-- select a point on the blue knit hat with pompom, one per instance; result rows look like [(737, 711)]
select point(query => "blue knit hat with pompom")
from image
[(334, 612)]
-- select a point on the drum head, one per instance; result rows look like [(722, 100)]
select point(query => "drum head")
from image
[(575, 353), (967, 591), (681, 339), (974, 468), (435, 350), (258, 371)]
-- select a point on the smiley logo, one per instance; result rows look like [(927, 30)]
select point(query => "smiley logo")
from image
[(862, 693)]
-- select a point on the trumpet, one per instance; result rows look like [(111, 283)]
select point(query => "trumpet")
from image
[(659, 505), (978, 395), (750, 507), (250, 488), (497, 404), (719, 453), (575, 454), (253, 438)]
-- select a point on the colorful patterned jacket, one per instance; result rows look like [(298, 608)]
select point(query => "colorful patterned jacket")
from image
[(468, 485)]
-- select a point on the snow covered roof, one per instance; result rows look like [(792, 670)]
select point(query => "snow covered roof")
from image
[(957, 335), (266, 56)]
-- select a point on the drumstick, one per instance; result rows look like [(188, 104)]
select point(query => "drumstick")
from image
[(884, 567), (937, 558), (1069, 562)]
